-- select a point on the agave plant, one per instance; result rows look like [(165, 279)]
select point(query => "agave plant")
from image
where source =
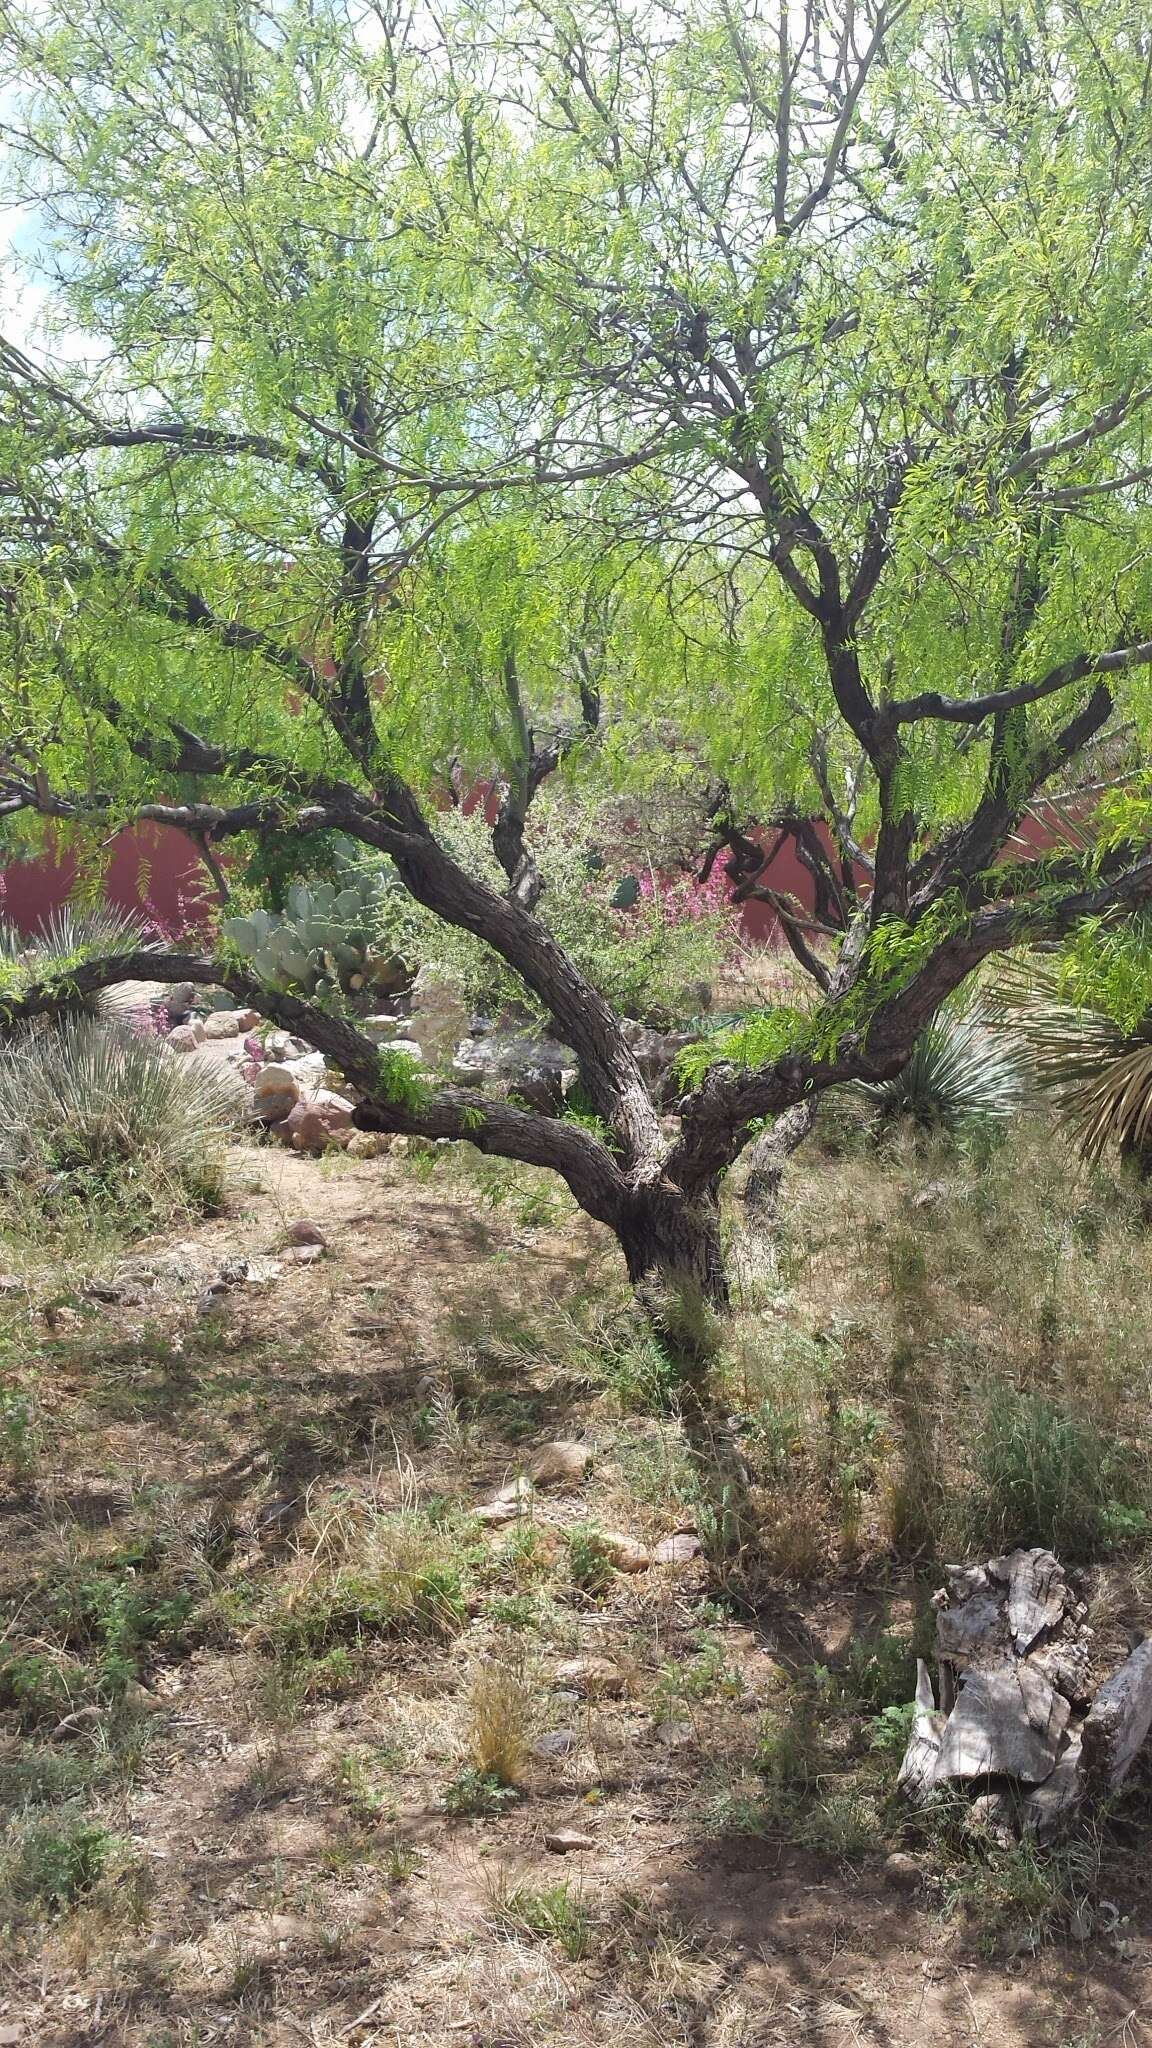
[(960, 1075), (1097, 1072), (93, 1113)]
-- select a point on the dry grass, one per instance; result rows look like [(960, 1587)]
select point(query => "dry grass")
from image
[(502, 1709)]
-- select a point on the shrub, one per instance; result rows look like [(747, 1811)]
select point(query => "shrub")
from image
[(54, 1861), (1096, 1068), (654, 957), (1044, 1475), (961, 1077), (500, 1717), (94, 1116)]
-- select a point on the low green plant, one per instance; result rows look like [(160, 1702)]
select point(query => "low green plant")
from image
[(589, 1563), (19, 1434), (53, 1861), (403, 1574), (474, 1792), (962, 1075), (549, 1913), (1043, 1474)]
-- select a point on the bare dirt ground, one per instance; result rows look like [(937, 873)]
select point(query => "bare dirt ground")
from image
[(290, 1873)]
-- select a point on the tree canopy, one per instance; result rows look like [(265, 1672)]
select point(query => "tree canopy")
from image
[(752, 394)]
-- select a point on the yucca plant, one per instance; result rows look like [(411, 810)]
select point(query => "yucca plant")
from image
[(961, 1075), (90, 1113), (1096, 1071), (63, 940)]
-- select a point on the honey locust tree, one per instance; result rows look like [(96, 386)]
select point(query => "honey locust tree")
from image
[(422, 391)]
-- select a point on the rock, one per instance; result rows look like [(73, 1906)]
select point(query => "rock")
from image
[(308, 1069), (222, 1024), (304, 1254), (275, 1093), (565, 1841), (282, 1045), (1120, 1718), (902, 1873), (1037, 1594), (623, 1552), (557, 1742), (304, 1232), (510, 1503), (408, 1046), (11, 1283), (677, 1550), (380, 1029), (674, 1734), (591, 1677), (11, 2036), (535, 1069), (558, 1464), (314, 1125), (368, 1144), (186, 1037), (438, 1018), (1045, 1808)]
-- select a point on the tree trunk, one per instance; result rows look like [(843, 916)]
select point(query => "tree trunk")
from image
[(672, 1245), (771, 1153)]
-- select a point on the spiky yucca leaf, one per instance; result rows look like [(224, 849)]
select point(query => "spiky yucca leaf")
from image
[(960, 1074), (64, 940), (1098, 1076), (92, 1113)]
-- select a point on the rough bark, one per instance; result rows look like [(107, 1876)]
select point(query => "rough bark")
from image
[(769, 1155)]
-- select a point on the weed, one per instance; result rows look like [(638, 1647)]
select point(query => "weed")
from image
[(589, 1564), (551, 1913), (501, 1706), (391, 1575), (476, 1792), (19, 1435), (51, 1862), (1020, 1896), (878, 1671), (1043, 1475)]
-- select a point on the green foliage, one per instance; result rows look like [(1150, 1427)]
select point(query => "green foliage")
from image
[(589, 1563), (652, 961), (1066, 1031), (54, 1862), (474, 1793), (407, 1578), (63, 942), (95, 1116), (1044, 1475), (550, 1913)]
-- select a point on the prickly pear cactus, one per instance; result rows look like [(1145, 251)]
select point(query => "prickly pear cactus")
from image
[(322, 942)]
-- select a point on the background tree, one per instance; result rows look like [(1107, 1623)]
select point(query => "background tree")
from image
[(821, 335)]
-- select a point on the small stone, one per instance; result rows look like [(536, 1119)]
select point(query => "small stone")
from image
[(186, 1037), (76, 1724), (10, 1283), (557, 1742), (622, 1552), (304, 1232), (591, 1677), (221, 1024), (10, 2037), (902, 1873), (677, 1550), (554, 1464), (564, 1841)]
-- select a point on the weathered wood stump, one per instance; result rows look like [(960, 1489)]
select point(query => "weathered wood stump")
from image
[(1012, 1721)]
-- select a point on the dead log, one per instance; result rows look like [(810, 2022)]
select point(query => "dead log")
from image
[(1010, 1719)]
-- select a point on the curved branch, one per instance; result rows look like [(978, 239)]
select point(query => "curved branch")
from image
[(587, 1166)]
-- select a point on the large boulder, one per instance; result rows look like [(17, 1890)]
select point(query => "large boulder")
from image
[(275, 1093), (536, 1070), (186, 1037), (322, 1122)]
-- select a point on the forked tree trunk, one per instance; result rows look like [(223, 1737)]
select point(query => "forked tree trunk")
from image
[(672, 1244)]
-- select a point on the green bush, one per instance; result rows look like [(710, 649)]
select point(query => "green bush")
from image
[(52, 1862), (1044, 1475), (651, 959), (94, 1116)]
